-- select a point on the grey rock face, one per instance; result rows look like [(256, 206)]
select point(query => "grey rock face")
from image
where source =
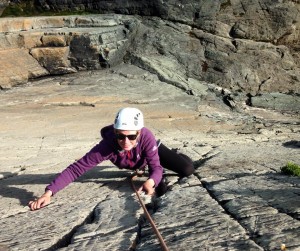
[(270, 21), (256, 208), (236, 200), (240, 67), (237, 65), (235, 68), (244, 48), (279, 101), (190, 69)]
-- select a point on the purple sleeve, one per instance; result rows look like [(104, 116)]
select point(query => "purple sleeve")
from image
[(75, 170), (152, 157)]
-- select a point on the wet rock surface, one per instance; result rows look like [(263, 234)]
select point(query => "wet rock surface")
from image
[(236, 200)]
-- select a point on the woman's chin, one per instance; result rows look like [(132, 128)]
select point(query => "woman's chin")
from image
[(127, 148)]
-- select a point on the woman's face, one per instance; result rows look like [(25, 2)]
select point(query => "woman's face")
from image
[(127, 139)]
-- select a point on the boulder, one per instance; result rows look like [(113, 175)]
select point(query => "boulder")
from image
[(65, 44), (55, 60), (54, 40), (15, 72), (277, 101)]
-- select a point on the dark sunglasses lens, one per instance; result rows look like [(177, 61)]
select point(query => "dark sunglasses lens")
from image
[(123, 136), (132, 137)]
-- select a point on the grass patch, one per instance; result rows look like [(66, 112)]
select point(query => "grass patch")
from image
[(291, 169)]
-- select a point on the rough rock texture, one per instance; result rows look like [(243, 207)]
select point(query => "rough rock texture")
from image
[(3, 5), (59, 45), (241, 66), (236, 200), (259, 20), (202, 72), (239, 69), (14, 72), (277, 100)]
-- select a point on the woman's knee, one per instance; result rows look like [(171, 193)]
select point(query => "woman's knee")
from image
[(176, 162), (188, 167), (187, 170)]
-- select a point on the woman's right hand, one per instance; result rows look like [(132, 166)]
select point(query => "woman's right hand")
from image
[(148, 187), (41, 202)]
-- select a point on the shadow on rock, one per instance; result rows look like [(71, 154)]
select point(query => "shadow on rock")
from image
[(292, 144), (12, 187)]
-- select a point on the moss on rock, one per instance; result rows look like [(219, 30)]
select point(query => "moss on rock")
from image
[(291, 169)]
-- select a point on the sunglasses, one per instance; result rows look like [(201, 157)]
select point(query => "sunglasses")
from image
[(123, 136)]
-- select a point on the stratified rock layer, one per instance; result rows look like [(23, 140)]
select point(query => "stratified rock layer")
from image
[(60, 45), (236, 68)]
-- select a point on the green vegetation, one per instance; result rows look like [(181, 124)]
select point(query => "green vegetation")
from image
[(291, 169), (24, 8), (27, 8)]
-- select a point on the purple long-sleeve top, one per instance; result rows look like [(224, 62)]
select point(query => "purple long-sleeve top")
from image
[(145, 153)]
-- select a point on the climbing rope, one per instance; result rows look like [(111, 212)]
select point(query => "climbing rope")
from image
[(156, 231)]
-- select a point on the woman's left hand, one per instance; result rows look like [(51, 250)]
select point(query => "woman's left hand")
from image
[(148, 187)]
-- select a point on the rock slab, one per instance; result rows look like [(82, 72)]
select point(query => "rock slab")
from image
[(237, 198)]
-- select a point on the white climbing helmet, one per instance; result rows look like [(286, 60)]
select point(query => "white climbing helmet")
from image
[(129, 119)]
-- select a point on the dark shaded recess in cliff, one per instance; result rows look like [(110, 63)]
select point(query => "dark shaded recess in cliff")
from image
[(30, 8), (138, 7)]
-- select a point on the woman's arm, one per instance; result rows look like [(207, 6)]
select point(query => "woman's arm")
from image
[(71, 173), (150, 153)]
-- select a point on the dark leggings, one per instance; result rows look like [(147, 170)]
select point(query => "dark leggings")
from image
[(176, 162)]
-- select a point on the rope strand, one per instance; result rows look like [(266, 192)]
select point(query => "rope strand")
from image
[(156, 231)]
